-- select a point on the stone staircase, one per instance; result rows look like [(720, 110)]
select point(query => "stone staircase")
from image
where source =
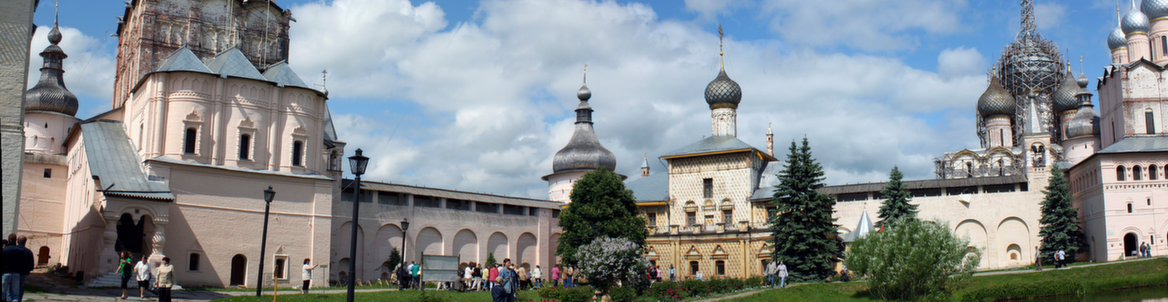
[(111, 279)]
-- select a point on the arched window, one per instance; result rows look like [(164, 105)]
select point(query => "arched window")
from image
[(694, 268), (1137, 173), (1120, 173), (1152, 170), (244, 146), (1149, 121), (968, 169), (297, 153), (193, 263), (141, 129), (189, 140)]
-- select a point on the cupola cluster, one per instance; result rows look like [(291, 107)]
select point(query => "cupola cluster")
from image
[(1138, 36), (50, 93)]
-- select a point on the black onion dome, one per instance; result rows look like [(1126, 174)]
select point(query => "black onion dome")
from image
[(1064, 98), (1085, 122), (50, 93), (723, 92), (995, 100), (583, 151)]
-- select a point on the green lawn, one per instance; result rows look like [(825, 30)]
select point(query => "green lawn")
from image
[(409, 295), (1049, 282)]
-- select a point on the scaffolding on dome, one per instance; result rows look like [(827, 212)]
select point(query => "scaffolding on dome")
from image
[(1030, 68)]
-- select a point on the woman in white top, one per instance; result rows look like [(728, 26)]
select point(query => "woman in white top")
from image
[(467, 275), (142, 270), (537, 277), (306, 272)]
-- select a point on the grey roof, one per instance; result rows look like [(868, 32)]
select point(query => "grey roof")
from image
[(862, 229), (654, 187), (1138, 144), (767, 180), (583, 151), (454, 194), (233, 63), (113, 160), (716, 143), (925, 184), (50, 93), (330, 132), (282, 74), (183, 59)]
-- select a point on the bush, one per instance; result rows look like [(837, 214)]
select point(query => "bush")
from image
[(694, 288), (911, 259), (573, 294), (622, 294), (667, 291)]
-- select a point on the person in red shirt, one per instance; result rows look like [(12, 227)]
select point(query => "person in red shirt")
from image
[(494, 274)]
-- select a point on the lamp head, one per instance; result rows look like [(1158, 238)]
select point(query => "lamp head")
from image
[(269, 194), (357, 163), (405, 224)]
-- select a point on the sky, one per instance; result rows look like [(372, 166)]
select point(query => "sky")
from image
[(478, 95)]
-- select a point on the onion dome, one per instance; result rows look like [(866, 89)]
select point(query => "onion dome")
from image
[(1134, 22), (723, 92), (1065, 98), (1116, 39), (1085, 122), (1082, 80), (995, 100), (583, 152), (1154, 9), (50, 93)]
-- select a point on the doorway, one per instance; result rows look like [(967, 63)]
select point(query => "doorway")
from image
[(43, 256), (1130, 245), (129, 235), (238, 269)]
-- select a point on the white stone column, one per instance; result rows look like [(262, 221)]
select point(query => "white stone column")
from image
[(158, 241), (109, 257)]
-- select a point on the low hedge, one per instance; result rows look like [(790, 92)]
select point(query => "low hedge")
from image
[(1062, 284)]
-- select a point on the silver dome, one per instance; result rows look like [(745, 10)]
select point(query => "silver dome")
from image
[(1065, 98), (50, 93), (723, 92), (583, 152), (995, 100), (1154, 9), (1085, 122), (1082, 80), (1134, 22), (1116, 39)]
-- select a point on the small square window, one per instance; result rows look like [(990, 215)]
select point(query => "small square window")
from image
[(193, 263), (708, 187), (48, 173), (281, 267)]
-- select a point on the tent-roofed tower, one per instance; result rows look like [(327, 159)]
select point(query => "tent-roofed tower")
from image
[(583, 153), (49, 107)]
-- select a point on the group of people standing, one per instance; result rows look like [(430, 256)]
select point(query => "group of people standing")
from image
[(476, 277), (1145, 250), (409, 275), (18, 263), (141, 272)]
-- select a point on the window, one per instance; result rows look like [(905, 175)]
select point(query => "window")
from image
[(727, 217), (391, 198), (532, 211), (691, 218), (48, 173), (366, 195), (1002, 137), (244, 146), (512, 209), (485, 207), (1149, 201), (1164, 45), (297, 152), (281, 267), (1129, 208), (651, 219), (189, 141), (694, 268), (708, 187), (1120, 173), (1149, 122), (556, 214), (425, 201), (1152, 172), (141, 129), (193, 263), (968, 169), (1137, 173), (721, 267), (455, 204)]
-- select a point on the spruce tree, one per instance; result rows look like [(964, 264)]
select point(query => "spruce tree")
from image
[(896, 198), (601, 207), (803, 231), (1060, 221)]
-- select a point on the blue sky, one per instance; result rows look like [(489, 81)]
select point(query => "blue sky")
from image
[(477, 95)]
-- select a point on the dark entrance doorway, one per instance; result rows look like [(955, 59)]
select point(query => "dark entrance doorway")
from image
[(129, 235), (43, 256), (238, 269), (1130, 244)]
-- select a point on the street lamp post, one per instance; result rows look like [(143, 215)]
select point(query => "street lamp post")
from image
[(269, 194), (405, 225), (357, 165)]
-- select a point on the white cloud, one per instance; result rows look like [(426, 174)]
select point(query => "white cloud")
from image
[(862, 24), (960, 61), (708, 8), (497, 96), (88, 69), (1048, 15)]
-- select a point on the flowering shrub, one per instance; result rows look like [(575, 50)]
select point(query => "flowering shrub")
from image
[(608, 260)]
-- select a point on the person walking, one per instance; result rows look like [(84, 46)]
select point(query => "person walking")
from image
[(514, 284), (508, 277), (403, 277), (1037, 259), (142, 272), (18, 262), (477, 277), (1060, 258), (492, 275), (771, 270), (165, 280), (672, 273), (537, 277), (568, 272), (524, 278), (126, 271), (556, 275), (306, 276), (782, 275), (468, 275), (414, 270), (498, 294)]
